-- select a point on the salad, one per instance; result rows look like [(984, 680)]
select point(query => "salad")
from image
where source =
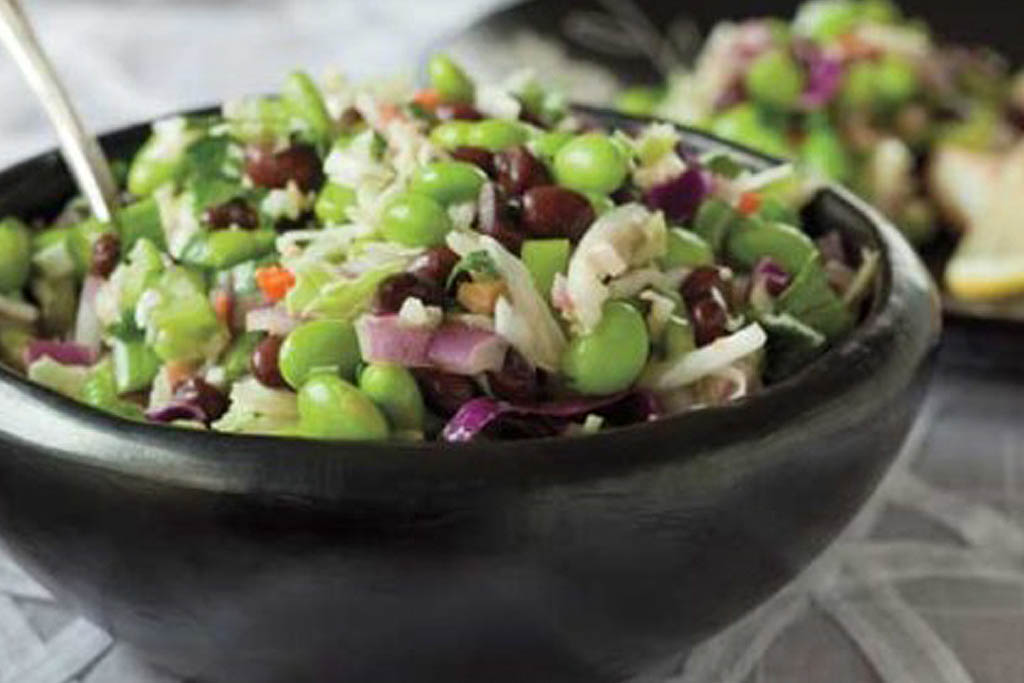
[(456, 262), (856, 92)]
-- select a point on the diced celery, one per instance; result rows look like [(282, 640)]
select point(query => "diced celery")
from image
[(141, 220), (227, 248), (135, 365), (68, 380)]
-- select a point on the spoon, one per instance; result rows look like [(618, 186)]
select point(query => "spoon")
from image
[(81, 152)]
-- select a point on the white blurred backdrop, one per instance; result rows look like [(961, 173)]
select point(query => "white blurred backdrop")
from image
[(128, 60)]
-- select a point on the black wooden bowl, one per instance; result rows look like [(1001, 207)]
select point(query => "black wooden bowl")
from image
[(234, 558)]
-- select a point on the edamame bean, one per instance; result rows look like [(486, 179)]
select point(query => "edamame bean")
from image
[(396, 393), (591, 163), (226, 248), (744, 124), (449, 80), (331, 408), (451, 134), (775, 80), (415, 220), (546, 145), (333, 203), (601, 203), (302, 99), (753, 240), (319, 344), (612, 356), (824, 153), (895, 80), (826, 20), (15, 255), (496, 134), (686, 249), (448, 181), (640, 100)]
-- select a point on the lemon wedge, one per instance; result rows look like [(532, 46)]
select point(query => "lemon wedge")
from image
[(989, 262)]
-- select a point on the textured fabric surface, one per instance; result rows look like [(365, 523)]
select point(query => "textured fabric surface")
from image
[(927, 586)]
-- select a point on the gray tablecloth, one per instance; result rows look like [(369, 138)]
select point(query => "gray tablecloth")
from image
[(927, 586)]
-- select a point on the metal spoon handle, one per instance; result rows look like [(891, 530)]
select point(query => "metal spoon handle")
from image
[(85, 158)]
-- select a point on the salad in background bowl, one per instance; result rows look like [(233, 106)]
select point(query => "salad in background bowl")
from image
[(931, 133)]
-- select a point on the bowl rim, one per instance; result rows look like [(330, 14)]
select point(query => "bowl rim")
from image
[(248, 463)]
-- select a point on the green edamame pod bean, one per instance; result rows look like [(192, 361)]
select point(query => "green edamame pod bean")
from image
[(714, 220), (612, 356), (451, 134), (449, 80), (415, 220), (744, 124), (824, 153), (448, 181), (15, 255), (811, 300), (303, 100), (135, 365), (591, 163), (331, 408), (333, 203), (786, 245), (138, 220), (226, 248), (826, 20), (546, 145), (686, 249), (319, 344), (775, 80), (496, 134), (640, 100), (396, 393), (895, 80)]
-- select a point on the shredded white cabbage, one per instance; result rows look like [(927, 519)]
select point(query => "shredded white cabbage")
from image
[(177, 217), (521, 315), (287, 202), (258, 409), (627, 236), (497, 102), (662, 308), (708, 360), (171, 137)]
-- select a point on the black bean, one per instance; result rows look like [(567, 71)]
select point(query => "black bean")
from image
[(435, 265), (495, 218), (393, 291), (443, 392), (207, 397), (105, 252), (517, 381), (478, 156), (264, 362), (553, 211), (299, 162), (709, 320), (517, 170), (234, 212)]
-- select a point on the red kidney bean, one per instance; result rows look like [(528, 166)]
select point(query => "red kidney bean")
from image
[(456, 110), (199, 392), (105, 252), (517, 381), (700, 283), (235, 211), (477, 156), (517, 170), (709, 319), (435, 265), (299, 163), (263, 362), (394, 290), (553, 211), (443, 392), (494, 218)]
